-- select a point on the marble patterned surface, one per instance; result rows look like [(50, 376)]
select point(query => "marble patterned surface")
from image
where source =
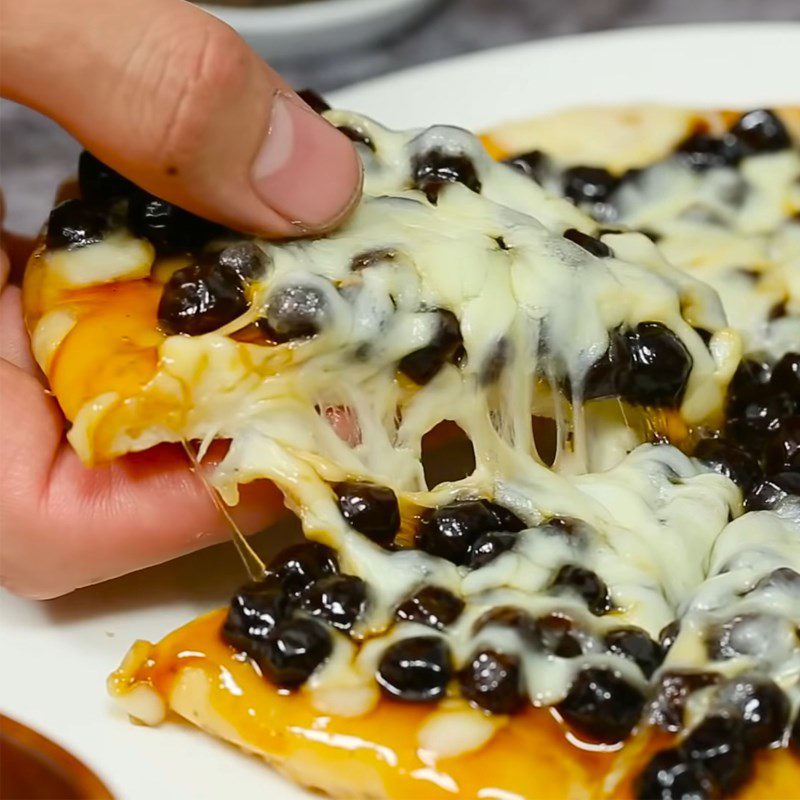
[(35, 154)]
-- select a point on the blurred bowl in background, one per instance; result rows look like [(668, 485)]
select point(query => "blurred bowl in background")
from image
[(278, 29)]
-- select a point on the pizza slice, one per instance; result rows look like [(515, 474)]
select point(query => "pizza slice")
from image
[(602, 615)]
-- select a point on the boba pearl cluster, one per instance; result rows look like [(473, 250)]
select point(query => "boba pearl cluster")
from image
[(623, 585)]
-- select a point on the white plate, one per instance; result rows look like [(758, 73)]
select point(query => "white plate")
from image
[(56, 655), (319, 26)]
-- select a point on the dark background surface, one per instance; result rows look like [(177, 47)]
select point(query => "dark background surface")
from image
[(35, 154)]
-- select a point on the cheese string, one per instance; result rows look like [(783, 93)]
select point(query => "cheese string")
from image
[(254, 566)]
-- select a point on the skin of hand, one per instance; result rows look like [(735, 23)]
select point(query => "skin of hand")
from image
[(176, 101)]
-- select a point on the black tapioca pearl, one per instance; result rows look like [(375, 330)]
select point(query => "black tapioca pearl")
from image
[(357, 135), (511, 617), (668, 635), (198, 299), (602, 704), (416, 669), (170, 229), (588, 184), (588, 585), (636, 644), (74, 224), (605, 377), (658, 366), (729, 460), (370, 258), (760, 704), (422, 365), (294, 312), (700, 152), (759, 131), (760, 418), (291, 653), (716, 746), (337, 599), (254, 611), (748, 384), (433, 170), (449, 531), (555, 635), (534, 164), (672, 693), (669, 775), (301, 564), (493, 681), (488, 546), (246, 260), (781, 451), (771, 491), (574, 530), (778, 310), (505, 519), (370, 509), (739, 636), (705, 334), (794, 735), (100, 185), (588, 243), (433, 606), (314, 100), (786, 375)]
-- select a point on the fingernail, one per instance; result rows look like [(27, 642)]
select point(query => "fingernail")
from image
[(306, 170)]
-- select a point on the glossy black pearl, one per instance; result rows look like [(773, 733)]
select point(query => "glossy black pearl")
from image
[(602, 704), (588, 243), (506, 520), (588, 585), (314, 99), (339, 600), (433, 170), (741, 635), (588, 184), (605, 377), (762, 707), (357, 135), (449, 531), (716, 745), (74, 224), (786, 375), (635, 644), (781, 451), (759, 131), (254, 611), (671, 776), (433, 606), (100, 185), (417, 669), (370, 509), (295, 312), (301, 564), (771, 491), (422, 365), (291, 653), (171, 229), (493, 681), (246, 260), (749, 383), (729, 460), (371, 258), (673, 691), (198, 299), (760, 418), (488, 546), (658, 366), (534, 165), (700, 152), (555, 635)]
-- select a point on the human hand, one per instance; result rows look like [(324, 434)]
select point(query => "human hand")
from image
[(177, 102)]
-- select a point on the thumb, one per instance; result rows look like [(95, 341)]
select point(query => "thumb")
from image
[(176, 101)]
